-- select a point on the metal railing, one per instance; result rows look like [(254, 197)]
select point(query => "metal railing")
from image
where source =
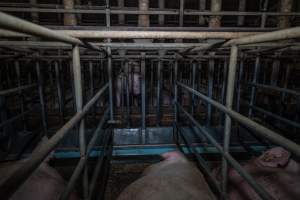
[(232, 115), (14, 181)]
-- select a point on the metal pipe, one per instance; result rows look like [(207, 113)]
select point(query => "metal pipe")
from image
[(227, 124), (259, 129), (143, 99), (181, 12), (253, 90), (69, 19), (144, 20), (286, 34), (109, 71), (202, 7), (242, 8), (19, 175), (257, 188), (161, 18), (215, 6), (17, 89), (41, 95), (285, 7), (15, 24), (121, 17), (194, 65), (59, 91), (158, 97), (211, 70), (82, 162), (79, 104)]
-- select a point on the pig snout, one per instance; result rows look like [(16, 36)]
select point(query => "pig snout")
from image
[(173, 178), (274, 170)]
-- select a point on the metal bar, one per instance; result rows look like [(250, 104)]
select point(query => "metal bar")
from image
[(79, 104), (143, 20), (161, 18), (175, 100), (22, 26), (211, 70), (253, 89), (239, 82), (259, 129), (109, 70), (227, 124), (96, 34), (278, 117), (143, 98), (202, 7), (242, 8), (41, 96), (257, 188), (82, 162), (286, 34), (158, 97), (107, 136), (181, 13), (194, 65), (59, 91), (215, 6), (69, 19), (121, 17), (269, 87), (11, 120), (19, 175), (264, 15), (17, 89), (285, 6)]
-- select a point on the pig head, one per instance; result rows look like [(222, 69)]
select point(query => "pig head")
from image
[(274, 170), (173, 178)]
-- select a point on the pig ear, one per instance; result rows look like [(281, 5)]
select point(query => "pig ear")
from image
[(172, 155), (275, 157)]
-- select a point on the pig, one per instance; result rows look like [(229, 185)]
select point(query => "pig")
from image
[(45, 183), (274, 170), (173, 178), (134, 85)]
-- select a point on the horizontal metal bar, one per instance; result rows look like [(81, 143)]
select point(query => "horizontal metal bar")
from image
[(97, 34), (261, 130), (285, 34), (151, 11), (287, 121), (17, 89), (260, 191), (10, 184), (22, 26), (269, 87), (13, 119)]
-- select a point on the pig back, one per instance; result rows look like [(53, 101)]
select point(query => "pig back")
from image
[(45, 183), (174, 178)]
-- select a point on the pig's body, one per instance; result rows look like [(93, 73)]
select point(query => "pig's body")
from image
[(174, 178), (274, 171), (44, 184), (134, 86)]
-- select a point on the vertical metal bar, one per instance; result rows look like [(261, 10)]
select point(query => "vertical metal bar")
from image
[(202, 7), (240, 84), (194, 65), (161, 18), (215, 6), (79, 105), (91, 74), (275, 72), (121, 17), (127, 95), (285, 7), (181, 13), (254, 81), (152, 83), (59, 91), (143, 92), (41, 96), (211, 66), (144, 20), (242, 8), (34, 15), (111, 103), (229, 102), (69, 19), (175, 134), (21, 95), (264, 16), (158, 97)]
